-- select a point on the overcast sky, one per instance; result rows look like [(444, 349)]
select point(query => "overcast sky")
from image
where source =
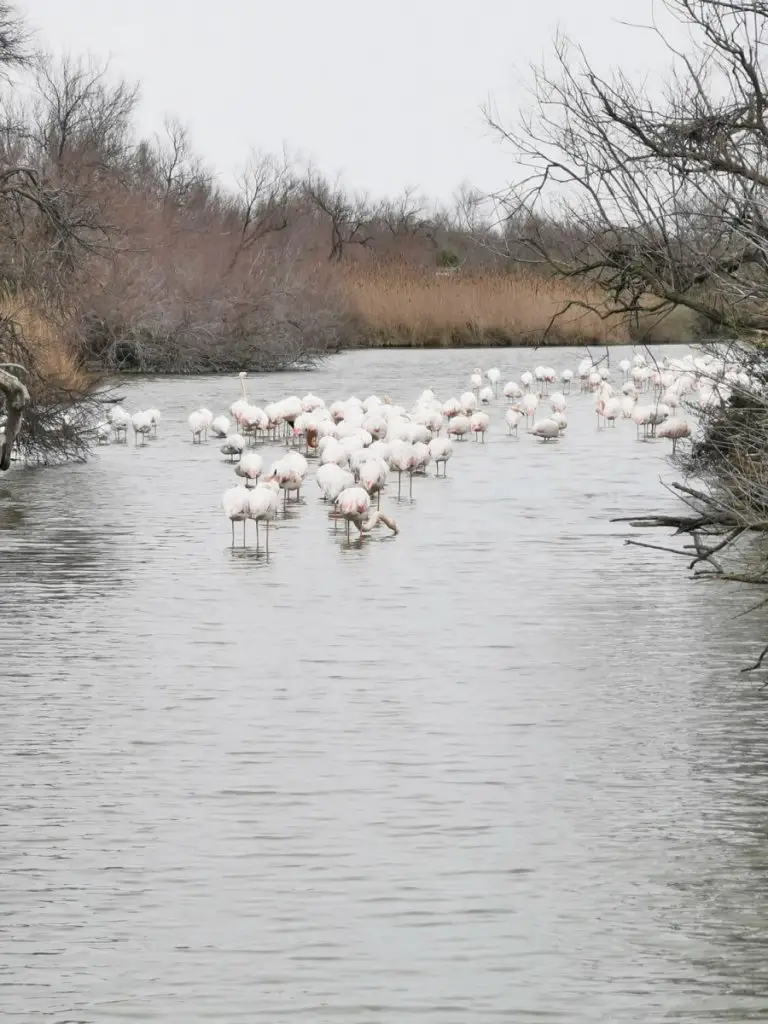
[(386, 94)]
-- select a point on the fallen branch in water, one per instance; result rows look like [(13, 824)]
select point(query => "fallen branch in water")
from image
[(715, 524)]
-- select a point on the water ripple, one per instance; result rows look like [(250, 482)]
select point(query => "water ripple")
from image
[(502, 768)]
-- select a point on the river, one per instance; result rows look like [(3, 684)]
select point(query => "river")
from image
[(501, 767)]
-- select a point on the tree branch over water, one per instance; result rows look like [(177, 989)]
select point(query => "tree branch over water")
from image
[(659, 195)]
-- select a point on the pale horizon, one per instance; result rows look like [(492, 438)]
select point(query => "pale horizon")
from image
[(384, 101)]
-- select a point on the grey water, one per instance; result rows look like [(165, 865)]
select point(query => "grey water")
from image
[(501, 767)]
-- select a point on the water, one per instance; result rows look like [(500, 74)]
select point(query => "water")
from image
[(498, 768)]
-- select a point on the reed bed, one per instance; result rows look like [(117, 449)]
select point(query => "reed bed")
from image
[(403, 306)]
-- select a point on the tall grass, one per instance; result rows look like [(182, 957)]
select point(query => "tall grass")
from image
[(409, 306)]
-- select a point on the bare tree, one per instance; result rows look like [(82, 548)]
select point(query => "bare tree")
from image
[(268, 190), (51, 153), (349, 216), (406, 214), (179, 171), (80, 118), (659, 199)]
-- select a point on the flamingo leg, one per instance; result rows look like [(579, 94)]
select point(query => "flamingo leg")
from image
[(233, 532)]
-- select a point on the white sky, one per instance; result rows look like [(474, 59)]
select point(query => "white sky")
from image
[(387, 94)]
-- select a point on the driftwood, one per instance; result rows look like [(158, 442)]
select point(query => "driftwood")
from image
[(16, 401)]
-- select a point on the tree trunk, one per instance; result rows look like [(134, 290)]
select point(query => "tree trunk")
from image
[(16, 400)]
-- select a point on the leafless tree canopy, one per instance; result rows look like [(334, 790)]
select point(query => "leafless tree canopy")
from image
[(657, 195)]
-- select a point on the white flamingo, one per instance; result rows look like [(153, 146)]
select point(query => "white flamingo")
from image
[(513, 418), (250, 467), (354, 505), (234, 501), (441, 449), (262, 504), (547, 430), (479, 423)]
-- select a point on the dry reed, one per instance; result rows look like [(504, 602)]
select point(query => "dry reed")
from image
[(43, 340), (409, 306)]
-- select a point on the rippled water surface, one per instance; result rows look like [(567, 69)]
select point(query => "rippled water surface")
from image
[(498, 768)]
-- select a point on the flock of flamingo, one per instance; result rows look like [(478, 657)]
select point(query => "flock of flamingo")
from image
[(359, 445)]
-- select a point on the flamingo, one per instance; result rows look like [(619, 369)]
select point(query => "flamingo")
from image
[(513, 417), (468, 403), (642, 414), (441, 449), (402, 460), (250, 467), (310, 403), (675, 429), (233, 445), (547, 430), (478, 424), (332, 480), (234, 501), (289, 472), (373, 477), (458, 427), (142, 426), (612, 410), (154, 418), (560, 420), (120, 419), (220, 426), (557, 402), (530, 405), (262, 504), (196, 423), (354, 504), (494, 376), (659, 413)]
